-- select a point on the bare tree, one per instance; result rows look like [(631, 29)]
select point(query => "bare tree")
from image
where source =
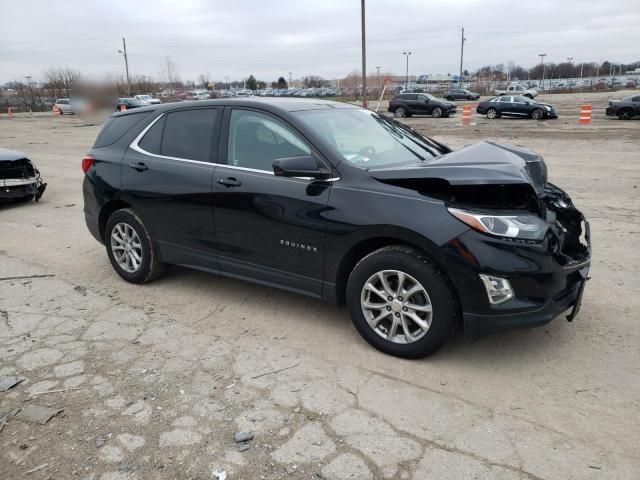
[(204, 80), (61, 79), (168, 73)]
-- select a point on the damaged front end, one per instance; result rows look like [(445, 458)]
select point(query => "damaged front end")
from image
[(527, 249), (20, 179)]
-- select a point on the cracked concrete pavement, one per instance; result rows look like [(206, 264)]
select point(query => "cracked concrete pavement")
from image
[(155, 380)]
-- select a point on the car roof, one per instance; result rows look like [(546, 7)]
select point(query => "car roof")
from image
[(275, 105)]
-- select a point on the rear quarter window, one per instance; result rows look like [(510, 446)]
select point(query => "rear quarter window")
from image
[(116, 127)]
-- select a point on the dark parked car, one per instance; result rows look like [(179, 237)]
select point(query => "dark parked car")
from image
[(340, 203), (515, 107), (19, 177), (624, 109), (461, 94), (127, 103), (407, 104)]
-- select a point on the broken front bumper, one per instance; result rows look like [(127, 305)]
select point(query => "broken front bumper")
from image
[(546, 281), (16, 188)]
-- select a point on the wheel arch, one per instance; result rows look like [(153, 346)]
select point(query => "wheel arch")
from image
[(106, 211), (365, 246)]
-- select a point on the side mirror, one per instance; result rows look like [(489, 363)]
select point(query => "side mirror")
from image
[(305, 166)]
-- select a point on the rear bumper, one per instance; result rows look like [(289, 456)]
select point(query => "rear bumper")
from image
[(611, 111)]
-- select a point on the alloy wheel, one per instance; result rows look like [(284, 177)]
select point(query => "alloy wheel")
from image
[(492, 113), (437, 112), (400, 112), (537, 114), (396, 306), (126, 247)]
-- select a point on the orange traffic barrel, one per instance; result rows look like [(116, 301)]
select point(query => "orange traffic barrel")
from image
[(466, 114), (585, 113)]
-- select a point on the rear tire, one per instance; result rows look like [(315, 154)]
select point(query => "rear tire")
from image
[(625, 114), (434, 293), (492, 113), (130, 249), (400, 112)]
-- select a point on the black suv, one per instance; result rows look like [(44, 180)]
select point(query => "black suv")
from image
[(337, 202), (408, 104), (461, 94)]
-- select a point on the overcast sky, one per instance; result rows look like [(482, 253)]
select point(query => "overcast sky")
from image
[(322, 37)]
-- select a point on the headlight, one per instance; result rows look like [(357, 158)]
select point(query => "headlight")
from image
[(525, 226), (547, 107)]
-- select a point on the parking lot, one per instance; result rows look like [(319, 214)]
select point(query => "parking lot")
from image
[(153, 381)]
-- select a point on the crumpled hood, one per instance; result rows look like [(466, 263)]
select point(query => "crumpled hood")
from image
[(484, 163)]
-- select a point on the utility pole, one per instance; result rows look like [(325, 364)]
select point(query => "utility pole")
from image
[(364, 56), (461, 56), (542, 55), (569, 70), (378, 82), (406, 54), (290, 73), (126, 64)]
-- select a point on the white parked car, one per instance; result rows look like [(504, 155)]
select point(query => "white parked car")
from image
[(517, 90), (64, 106), (148, 99)]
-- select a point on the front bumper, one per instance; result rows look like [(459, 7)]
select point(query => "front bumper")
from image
[(611, 111), (547, 278), (11, 189)]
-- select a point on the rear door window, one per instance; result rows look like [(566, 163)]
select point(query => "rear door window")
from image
[(188, 134), (116, 127)]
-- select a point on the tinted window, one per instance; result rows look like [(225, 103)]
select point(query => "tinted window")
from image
[(256, 140), (505, 99), (115, 127), (188, 134), (153, 138), (411, 96)]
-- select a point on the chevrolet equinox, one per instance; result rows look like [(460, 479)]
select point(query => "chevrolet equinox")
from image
[(340, 203)]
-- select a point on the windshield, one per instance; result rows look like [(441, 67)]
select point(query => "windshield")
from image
[(144, 97), (369, 140), (428, 95)]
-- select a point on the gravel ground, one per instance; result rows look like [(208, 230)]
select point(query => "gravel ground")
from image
[(157, 379)]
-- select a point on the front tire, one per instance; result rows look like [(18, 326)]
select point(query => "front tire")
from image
[(436, 112), (537, 114), (130, 249), (401, 303)]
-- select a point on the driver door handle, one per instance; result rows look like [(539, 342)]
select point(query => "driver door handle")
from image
[(229, 182), (141, 167)]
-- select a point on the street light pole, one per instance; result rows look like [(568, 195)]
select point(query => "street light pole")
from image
[(378, 81), (542, 55), (364, 56), (461, 57), (406, 54), (126, 64), (290, 73)]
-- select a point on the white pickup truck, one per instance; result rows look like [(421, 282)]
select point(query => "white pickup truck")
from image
[(518, 90)]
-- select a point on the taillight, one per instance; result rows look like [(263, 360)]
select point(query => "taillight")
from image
[(87, 161)]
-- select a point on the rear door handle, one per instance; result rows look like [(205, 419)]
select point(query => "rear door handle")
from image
[(229, 182), (141, 167)]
